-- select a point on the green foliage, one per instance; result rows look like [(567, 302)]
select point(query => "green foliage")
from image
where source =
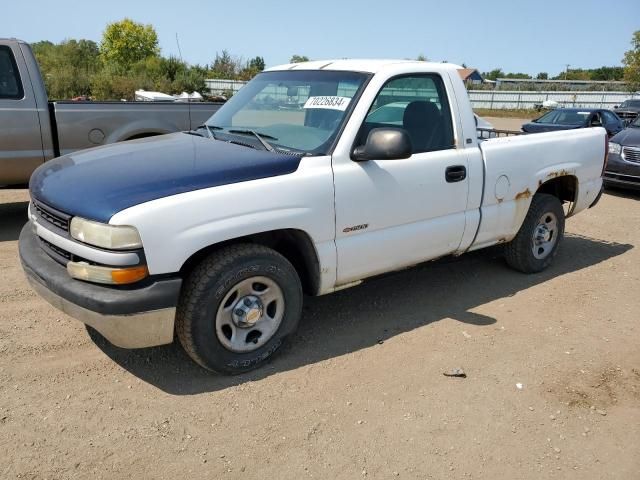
[(251, 69), (126, 42), (67, 67), (516, 75), (228, 67), (607, 74), (257, 63), (493, 74), (631, 63), (422, 58), (225, 66), (78, 67), (595, 74), (542, 76), (298, 59), (497, 73)]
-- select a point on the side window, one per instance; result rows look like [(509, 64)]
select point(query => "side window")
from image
[(10, 85), (610, 118), (419, 105)]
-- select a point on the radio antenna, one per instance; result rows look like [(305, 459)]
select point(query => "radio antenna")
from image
[(179, 50)]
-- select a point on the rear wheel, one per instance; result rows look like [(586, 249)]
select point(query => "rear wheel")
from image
[(536, 244), (237, 308)]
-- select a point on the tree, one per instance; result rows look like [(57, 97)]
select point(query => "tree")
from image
[(225, 66), (127, 42), (607, 73), (298, 59), (67, 67), (422, 58), (517, 75), (257, 63), (542, 76), (631, 63), (251, 69), (493, 74)]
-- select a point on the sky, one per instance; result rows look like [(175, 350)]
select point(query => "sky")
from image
[(515, 35)]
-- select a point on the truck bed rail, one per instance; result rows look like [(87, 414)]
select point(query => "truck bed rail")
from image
[(487, 133)]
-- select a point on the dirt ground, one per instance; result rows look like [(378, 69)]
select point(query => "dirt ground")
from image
[(360, 392), (506, 123)]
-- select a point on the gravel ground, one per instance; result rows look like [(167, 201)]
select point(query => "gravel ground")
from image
[(552, 387)]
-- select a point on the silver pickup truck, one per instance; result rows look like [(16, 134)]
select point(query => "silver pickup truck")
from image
[(34, 130)]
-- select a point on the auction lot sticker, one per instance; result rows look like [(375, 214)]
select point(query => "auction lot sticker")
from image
[(331, 103)]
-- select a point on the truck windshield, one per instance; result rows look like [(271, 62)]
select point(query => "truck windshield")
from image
[(630, 104), (299, 111)]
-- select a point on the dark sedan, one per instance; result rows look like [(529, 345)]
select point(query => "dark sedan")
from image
[(623, 167), (570, 118)]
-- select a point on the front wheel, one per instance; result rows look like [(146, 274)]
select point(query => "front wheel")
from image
[(237, 307), (536, 244)]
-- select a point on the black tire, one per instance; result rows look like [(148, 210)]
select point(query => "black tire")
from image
[(519, 253), (213, 280)]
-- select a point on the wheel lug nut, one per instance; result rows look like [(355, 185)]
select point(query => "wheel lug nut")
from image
[(247, 302), (239, 312)]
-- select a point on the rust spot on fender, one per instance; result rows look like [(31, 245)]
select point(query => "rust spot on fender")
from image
[(559, 173), (502, 240), (523, 195)]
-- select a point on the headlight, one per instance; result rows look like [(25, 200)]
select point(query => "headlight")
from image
[(615, 148), (112, 237)]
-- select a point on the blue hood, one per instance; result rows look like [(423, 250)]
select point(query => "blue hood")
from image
[(100, 182)]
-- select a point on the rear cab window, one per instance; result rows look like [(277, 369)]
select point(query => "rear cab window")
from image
[(10, 84)]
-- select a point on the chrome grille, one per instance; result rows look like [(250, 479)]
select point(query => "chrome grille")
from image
[(627, 115), (52, 216), (631, 154)]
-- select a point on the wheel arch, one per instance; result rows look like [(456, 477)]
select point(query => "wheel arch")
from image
[(563, 187), (293, 244)]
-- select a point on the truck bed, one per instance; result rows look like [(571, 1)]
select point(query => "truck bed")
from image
[(89, 124), (516, 166)]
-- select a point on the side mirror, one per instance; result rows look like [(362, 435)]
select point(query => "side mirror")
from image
[(384, 144)]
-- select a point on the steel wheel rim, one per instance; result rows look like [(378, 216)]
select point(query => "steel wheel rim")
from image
[(249, 314), (545, 235)]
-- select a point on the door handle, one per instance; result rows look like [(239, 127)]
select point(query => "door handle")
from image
[(455, 173)]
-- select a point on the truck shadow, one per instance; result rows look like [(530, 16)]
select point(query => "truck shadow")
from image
[(364, 316), (623, 192), (13, 216)]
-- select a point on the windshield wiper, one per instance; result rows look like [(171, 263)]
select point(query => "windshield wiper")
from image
[(210, 129), (260, 136)]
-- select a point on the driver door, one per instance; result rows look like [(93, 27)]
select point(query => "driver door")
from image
[(396, 213)]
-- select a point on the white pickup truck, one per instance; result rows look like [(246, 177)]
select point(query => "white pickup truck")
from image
[(302, 183)]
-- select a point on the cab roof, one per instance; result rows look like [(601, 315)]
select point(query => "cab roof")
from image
[(360, 65)]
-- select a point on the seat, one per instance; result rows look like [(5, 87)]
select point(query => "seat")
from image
[(423, 121)]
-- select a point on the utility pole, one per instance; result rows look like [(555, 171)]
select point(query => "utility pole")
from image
[(566, 72)]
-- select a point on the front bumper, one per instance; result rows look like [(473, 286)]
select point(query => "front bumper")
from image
[(622, 173), (127, 317)]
